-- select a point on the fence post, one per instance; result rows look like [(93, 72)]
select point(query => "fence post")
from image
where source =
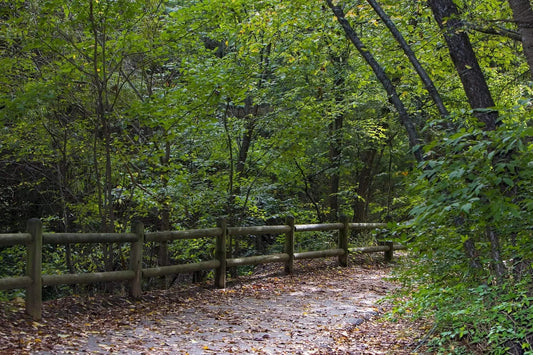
[(220, 254), (343, 240), (34, 292), (388, 254), (289, 246), (136, 256)]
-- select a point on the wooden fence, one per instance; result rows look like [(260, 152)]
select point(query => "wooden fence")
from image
[(34, 238)]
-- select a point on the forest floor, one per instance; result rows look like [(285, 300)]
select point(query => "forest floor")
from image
[(320, 309)]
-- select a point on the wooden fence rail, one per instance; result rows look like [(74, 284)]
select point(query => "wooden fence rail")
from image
[(34, 238)]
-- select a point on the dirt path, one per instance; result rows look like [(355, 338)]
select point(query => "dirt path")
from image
[(325, 310)]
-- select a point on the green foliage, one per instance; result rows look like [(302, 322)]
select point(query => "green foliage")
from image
[(307, 241), (179, 112), (472, 184), (192, 251), (484, 319), (12, 264)]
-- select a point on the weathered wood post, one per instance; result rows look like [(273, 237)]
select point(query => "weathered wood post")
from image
[(343, 241), (220, 254), (289, 246), (34, 292), (389, 253), (136, 255)]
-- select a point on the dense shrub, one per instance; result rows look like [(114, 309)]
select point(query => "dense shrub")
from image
[(471, 235)]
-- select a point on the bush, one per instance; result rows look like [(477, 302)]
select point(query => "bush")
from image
[(471, 237)]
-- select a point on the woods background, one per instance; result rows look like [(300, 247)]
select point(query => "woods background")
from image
[(178, 112)]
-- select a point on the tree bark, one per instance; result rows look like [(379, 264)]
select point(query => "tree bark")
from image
[(497, 262), (405, 119), (465, 62), (428, 83), (471, 252), (523, 17)]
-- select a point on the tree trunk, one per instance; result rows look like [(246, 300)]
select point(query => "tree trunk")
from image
[(164, 210), (335, 158), (477, 91), (104, 130), (370, 158), (246, 139), (335, 144), (307, 189), (428, 83), (471, 252), (465, 62), (523, 17), (497, 262), (405, 119)]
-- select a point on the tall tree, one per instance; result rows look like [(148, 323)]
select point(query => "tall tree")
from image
[(382, 77), (428, 83), (478, 94), (475, 86)]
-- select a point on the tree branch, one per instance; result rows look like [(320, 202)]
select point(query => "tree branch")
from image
[(498, 31), (378, 70)]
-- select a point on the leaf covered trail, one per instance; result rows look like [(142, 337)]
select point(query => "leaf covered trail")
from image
[(321, 309)]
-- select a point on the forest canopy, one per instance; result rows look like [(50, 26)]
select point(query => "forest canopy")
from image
[(176, 113)]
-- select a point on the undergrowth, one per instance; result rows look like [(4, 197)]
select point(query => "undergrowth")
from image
[(470, 238)]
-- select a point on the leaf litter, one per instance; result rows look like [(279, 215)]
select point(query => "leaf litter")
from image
[(320, 309)]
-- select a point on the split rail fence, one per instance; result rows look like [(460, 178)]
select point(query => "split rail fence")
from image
[(34, 239)]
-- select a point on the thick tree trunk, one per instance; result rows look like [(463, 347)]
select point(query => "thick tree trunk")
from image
[(465, 61), (382, 77), (523, 17)]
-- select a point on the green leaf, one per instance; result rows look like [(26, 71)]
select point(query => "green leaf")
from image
[(466, 207)]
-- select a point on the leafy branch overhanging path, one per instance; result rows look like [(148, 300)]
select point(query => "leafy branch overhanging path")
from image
[(321, 309)]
